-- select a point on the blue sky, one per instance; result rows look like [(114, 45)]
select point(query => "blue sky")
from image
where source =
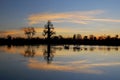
[(86, 17)]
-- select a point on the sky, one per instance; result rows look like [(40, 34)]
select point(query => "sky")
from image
[(85, 17)]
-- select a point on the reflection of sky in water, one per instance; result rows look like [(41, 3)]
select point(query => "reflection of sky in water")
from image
[(86, 62)]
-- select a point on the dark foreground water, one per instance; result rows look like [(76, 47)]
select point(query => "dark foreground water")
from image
[(45, 62)]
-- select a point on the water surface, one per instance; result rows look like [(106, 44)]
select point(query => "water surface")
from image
[(56, 62)]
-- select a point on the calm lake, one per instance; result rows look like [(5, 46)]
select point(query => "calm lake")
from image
[(57, 62)]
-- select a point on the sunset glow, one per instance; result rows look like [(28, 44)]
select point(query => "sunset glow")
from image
[(59, 39), (74, 17), (68, 19)]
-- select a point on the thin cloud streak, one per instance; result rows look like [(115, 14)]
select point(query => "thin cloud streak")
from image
[(106, 20), (10, 32), (74, 17), (80, 17)]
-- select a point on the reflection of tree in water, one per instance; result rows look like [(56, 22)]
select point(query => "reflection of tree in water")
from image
[(48, 54), (116, 48), (49, 32), (92, 48), (77, 48), (29, 52), (9, 46)]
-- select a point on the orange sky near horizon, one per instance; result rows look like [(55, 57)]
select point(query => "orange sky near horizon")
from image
[(59, 31)]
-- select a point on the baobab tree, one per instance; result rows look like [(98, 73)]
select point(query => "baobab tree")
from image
[(48, 30), (29, 32)]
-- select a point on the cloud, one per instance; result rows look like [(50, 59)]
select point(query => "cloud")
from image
[(10, 32), (74, 17), (106, 20), (80, 17)]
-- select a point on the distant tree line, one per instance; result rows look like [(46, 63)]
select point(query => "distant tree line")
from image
[(49, 37)]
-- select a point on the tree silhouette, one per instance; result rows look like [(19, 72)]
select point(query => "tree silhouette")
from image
[(92, 37), (85, 38), (108, 37), (77, 36), (29, 32), (116, 36), (9, 37), (48, 30)]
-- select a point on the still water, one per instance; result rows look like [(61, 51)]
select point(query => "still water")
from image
[(57, 62)]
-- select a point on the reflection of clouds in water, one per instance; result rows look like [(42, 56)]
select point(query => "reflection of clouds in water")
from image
[(75, 66), (106, 64), (82, 66)]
